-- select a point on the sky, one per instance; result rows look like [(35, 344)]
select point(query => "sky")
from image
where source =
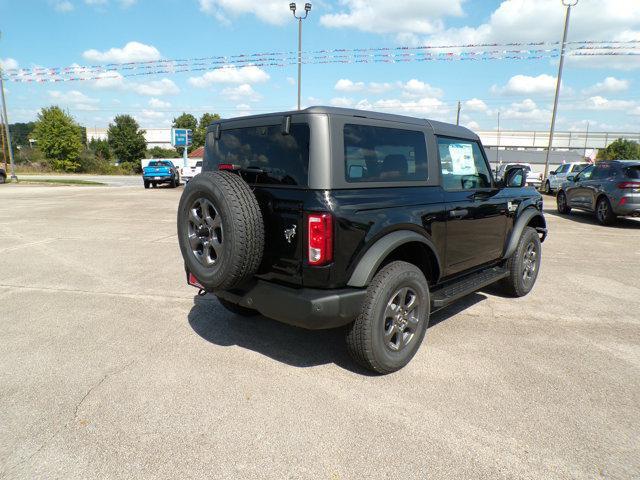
[(603, 91)]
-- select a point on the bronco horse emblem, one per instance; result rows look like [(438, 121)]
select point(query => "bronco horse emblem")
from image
[(289, 233)]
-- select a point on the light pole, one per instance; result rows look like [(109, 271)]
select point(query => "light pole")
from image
[(6, 126), (568, 4), (307, 9)]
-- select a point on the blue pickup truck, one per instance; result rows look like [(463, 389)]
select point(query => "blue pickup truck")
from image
[(160, 171)]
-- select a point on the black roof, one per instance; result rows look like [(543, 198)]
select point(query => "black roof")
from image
[(439, 128)]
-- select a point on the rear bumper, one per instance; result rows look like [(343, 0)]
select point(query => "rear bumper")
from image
[(630, 207), (307, 308), (158, 178)]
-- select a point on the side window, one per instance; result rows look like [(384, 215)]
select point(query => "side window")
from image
[(462, 165), (602, 171), (564, 168), (586, 174), (380, 154)]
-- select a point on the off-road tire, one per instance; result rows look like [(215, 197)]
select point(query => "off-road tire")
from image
[(607, 217), (237, 309), (154, 184), (365, 336), (242, 229), (146, 183), (515, 284), (562, 205)]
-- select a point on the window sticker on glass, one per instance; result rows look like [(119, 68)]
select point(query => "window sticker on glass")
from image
[(462, 159)]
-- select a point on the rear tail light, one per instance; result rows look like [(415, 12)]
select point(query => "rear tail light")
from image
[(320, 238), (622, 201), (193, 281), (629, 185), (228, 166)]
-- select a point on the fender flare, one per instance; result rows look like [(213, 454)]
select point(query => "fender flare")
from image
[(522, 221), (373, 258)]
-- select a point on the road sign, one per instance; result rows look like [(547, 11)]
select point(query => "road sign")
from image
[(181, 137)]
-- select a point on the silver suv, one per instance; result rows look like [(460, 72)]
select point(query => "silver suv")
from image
[(559, 175), (610, 189)]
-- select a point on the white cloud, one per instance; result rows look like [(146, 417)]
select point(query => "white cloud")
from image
[(131, 52), (8, 63), (243, 110), (155, 88), (422, 106), (74, 99), (417, 88), (151, 114), (342, 102), (526, 110), (275, 12), (608, 85), (230, 74), (601, 103), (526, 85), (94, 3), (475, 105), (241, 92), (346, 85), (472, 125), (413, 88), (291, 81), (157, 103), (542, 20), (63, 6), (384, 16)]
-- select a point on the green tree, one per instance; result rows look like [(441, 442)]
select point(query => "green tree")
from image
[(620, 150), (58, 136), (100, 148), (200, 134), (127, 142), (186, 120), (159, 152), (20, 133)]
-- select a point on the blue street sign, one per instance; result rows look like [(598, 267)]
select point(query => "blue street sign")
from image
[(181, 137)]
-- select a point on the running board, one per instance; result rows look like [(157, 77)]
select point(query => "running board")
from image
[(466, 285)]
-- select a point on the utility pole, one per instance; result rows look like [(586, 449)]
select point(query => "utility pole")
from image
[(4, 153), (307, 9), (586, 138), (6, 125), (458, 115), (498, 141), (568, 4)]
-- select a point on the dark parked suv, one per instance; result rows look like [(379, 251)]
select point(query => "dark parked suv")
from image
[(330, 217), (610, 189)]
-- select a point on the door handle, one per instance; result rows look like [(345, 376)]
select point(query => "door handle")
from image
[(458, 213)]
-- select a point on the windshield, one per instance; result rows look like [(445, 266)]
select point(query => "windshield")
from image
[(159, 164), (274, 157)]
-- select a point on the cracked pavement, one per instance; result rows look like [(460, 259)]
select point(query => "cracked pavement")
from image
[(111, 367)]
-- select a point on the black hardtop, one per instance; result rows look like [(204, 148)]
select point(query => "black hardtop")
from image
[(439, 128)]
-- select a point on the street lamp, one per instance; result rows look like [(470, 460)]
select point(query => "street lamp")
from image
[(307, 9), (568, 4)]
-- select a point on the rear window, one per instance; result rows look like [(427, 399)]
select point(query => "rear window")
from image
[(632, 172), (271, 157), (380, 154), (579, 167), (199, 163), (159, 164)]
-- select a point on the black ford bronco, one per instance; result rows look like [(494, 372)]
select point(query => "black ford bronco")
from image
[(330, 217)]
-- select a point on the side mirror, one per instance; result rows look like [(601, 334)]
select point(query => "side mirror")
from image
[(515, 178), (571, 178), (552, 173)]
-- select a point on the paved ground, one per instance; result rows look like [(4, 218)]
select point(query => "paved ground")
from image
[(111, 180), (110, 368)]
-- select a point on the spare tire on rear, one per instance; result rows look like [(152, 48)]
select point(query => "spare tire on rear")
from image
[(220, 230)]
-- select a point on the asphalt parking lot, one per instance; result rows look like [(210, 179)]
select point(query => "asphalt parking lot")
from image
[(111, 367)]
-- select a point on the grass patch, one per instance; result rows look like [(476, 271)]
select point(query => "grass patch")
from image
[(58, 181)]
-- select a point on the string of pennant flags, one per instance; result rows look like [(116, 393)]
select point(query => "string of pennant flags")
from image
[(402, 54)]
